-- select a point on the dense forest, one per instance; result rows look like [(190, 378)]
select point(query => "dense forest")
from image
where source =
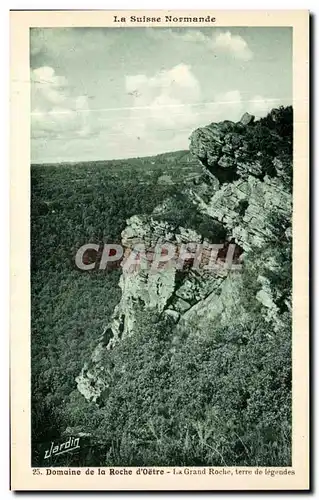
[(72, 205), (176, 396)]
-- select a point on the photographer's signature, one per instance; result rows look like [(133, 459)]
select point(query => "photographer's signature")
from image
[(57, 449)]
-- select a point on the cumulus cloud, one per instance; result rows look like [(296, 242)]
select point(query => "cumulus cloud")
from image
[(178, 76), (234, 44), (54, 110), (47, 88), (222, 42), (171, 81), (260, 106), (160, 101), (159, 114)]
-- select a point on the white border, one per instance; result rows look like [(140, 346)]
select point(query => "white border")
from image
[(4, 185)]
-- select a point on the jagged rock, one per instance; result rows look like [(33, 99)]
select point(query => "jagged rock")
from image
[(226, 161), (265, 298), (222, 149), (151, 290), (201, 312), (246, 119), (146, 230), (181, 306), (186, 235), (172, 314), (91, 383)]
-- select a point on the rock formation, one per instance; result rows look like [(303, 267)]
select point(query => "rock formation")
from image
[(245, 194)]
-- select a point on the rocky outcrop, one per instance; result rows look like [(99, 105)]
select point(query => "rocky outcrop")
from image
[(221, 148), (246, 206), (251, 202)]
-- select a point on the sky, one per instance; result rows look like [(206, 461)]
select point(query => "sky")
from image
[(106, 93)]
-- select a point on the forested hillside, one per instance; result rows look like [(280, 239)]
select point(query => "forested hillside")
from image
[(73, 204)]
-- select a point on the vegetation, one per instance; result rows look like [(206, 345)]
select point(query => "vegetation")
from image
[(222, 399), (72, 205)]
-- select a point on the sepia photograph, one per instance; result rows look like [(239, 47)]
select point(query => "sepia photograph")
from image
[(161, 202)]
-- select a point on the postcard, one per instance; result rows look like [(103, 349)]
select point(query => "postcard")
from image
[(159, 250)]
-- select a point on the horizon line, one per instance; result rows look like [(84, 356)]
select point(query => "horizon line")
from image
[(111, 159)]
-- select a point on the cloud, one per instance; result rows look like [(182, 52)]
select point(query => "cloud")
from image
[(47, 87), (180, 75), (193, 36), (176, 80), (158, 112), (160, 101), (52, 44), (162, 110), (234, 44), (231, 105), (167, 106), (55, 111), (260, 106), (222, 42)]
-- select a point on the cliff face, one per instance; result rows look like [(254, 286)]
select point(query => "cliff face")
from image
[(245, 194)]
